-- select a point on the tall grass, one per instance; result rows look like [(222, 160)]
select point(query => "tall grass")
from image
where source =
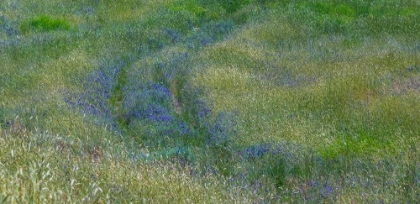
[(209, 101)]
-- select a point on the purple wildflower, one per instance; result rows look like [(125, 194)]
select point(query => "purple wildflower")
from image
[(327, 190), (156, 113), (182, 128), (223, 128), (175, 37), (257, 151), (87, 10)]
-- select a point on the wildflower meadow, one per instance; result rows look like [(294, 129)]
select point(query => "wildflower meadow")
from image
[(210, 101)]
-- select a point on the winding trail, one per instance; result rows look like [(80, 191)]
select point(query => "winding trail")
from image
[(175, 103)]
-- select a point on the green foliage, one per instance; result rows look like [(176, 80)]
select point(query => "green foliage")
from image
[(232, 6), (331, 17), (327, 8), (351, 146), (189, 6), (45, 23)]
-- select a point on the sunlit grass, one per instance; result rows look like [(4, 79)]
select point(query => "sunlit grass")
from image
[(46, 168)]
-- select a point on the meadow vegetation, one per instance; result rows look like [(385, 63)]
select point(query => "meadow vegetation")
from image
[(195, 101)]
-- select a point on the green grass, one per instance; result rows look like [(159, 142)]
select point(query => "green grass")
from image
[(45, 23), (311, 101)]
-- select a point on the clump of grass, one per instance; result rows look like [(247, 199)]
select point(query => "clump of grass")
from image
[(232, 6), (45, 23), (189, 6)]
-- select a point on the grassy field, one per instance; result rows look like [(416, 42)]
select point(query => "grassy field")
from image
[(220, 101)]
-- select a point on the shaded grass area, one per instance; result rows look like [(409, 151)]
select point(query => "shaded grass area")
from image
[(209, 101)]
